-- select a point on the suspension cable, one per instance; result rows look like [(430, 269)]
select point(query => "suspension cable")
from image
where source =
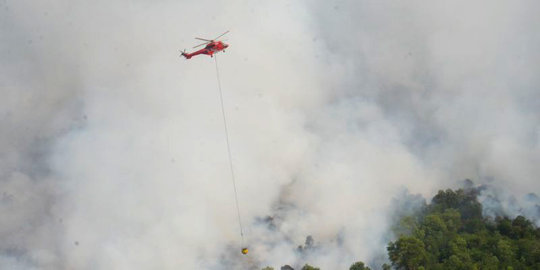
[(229, 151)]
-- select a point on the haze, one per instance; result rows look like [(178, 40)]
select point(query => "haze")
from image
[(113, 154)]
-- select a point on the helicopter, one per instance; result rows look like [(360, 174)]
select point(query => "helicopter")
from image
[(212, 46)]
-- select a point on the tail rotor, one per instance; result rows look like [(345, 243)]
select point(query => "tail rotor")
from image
[(184, 54)]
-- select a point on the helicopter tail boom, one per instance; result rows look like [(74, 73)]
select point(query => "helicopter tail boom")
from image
[(186, 55)]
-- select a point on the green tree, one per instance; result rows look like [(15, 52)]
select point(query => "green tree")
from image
[(452, 220), (407, 252), (490, 263), (309, 267), (359, 266), (505, 251)]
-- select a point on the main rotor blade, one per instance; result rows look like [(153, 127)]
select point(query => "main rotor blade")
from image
[(201, 44), (203, 39), (222, 35)]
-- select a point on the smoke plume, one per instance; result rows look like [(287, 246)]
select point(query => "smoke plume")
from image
[(113, 150)]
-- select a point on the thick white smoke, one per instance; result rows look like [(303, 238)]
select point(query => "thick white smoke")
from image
[(113, 152)]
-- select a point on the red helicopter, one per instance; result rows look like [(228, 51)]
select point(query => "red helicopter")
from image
[(212, 46)]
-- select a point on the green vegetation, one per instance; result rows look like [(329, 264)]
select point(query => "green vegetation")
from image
[(309, 267), (359, 266), (451, 233)]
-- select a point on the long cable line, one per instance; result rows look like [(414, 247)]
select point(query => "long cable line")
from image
[(229, 151)]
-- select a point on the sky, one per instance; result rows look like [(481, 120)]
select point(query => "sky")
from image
[(113, 151)]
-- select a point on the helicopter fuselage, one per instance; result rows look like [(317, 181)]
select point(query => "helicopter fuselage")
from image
[(210, 49)]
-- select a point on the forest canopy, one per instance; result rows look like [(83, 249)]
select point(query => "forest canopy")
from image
[(451, 233)]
